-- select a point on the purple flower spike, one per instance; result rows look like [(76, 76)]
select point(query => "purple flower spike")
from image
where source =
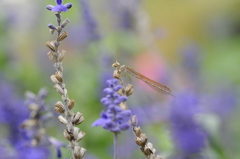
[(115, 119), (59, 7)]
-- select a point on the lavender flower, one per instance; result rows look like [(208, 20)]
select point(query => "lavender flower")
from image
[(59, 7), (187, 133), (114, 119), (33, 126), (89, 23), (12, 114)]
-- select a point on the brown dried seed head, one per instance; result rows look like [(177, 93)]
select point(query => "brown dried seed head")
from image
[(58, 76), (78, 118), (51, 56), (80, 136), (82, 151), (116, 74), (62, 120), (58, 89), (138, 141), (75, 132), (129, 89), (121, 91), (54, 79), (67, 135), (61, 55), (79, 152), (59, 107), (137, 131), (141, 140), (51, 46), (71, 104), (76, 152), (62, 36), (134, 120), (148, 149), (115, 64), (65, 22)]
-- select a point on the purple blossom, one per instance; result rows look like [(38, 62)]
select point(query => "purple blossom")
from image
[(187, 133), (59, 7), (114, 119), (13, 113), (89, 23)]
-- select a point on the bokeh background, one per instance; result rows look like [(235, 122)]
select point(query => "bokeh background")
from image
[(192, 46)]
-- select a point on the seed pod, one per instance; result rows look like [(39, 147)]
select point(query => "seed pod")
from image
[(67, 135), (58, 89), (76, 152), (58, 76), (51, 46), (65, 22), (59, 107), (62, 36), (78, 118), (62, 120), (71, 104), (51, 56), (142, 140), (134, 120), (148, 149), (115, 64), (116, 74), (121, 91), (54, 79), (75, 132), (80, 136), (61, 55), (129, 89)]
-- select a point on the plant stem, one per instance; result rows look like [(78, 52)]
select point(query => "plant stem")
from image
[(115, 145)]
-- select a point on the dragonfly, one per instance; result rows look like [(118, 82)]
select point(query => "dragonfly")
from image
[(151, 83)]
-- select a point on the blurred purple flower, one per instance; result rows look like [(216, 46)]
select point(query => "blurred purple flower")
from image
[(12, 113), (57, 144), (59, 7), (191, 59), (187, 133), (89, 23), (222, 102), (115, 119)]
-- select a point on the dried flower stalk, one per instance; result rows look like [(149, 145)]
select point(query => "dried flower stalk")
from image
[(140, 138), (71, 133)]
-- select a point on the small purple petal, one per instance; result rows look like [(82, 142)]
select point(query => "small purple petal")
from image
[(99, 122), (104, 115), (124, 126), (50, 7), (108, 90), (58, 2), (68, 5), (59, 8), (116, 88), (122, 98), (117, 101), (103, 100)]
